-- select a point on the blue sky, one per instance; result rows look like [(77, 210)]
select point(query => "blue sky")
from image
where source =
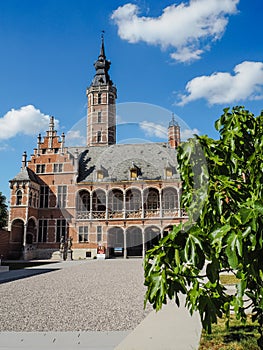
[(191, 58)]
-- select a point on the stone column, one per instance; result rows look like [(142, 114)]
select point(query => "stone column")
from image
[(125, 245), (143, 244)]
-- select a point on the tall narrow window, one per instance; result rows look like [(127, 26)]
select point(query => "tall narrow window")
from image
[(61, 229), (44, 193), (30, 201), (99, 117), (99, 234), (40, 168), (83, 234), (19, 197), (99, 136), (58, 168), (42, 230), (62, 196), (99, 98)]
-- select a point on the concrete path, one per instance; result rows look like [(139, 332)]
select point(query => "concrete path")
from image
[(60, 340), (171, 328)]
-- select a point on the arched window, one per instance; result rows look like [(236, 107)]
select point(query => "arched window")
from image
[(19, 195), (151, 199), (83, 205), (115, 200), (83, 201), (170, 202), (133, 200), (98, 204), (115, 203)]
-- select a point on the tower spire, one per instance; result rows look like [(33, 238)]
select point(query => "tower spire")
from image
[(102, 49), (102, 67)]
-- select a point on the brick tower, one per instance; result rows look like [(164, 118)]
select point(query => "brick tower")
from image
[(101, 94)]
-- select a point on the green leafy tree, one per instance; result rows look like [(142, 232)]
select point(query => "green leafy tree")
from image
[(224, 201), (3, 211)]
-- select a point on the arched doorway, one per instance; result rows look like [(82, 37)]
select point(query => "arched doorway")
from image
[(115, 242), (152, 235), (31, 231), (16, 239), (134, 242)]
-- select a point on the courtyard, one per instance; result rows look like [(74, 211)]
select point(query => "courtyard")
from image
[(84, 295)]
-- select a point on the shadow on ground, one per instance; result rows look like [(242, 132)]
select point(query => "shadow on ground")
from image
[(14, 275)]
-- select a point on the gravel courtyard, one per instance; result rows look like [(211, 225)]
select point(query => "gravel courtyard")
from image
[(82, 296)]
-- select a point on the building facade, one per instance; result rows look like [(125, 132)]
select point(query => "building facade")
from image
[(115, 199)]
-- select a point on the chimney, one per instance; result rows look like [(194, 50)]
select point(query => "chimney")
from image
[(24, 156)]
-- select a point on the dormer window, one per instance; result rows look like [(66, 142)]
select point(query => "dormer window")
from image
[(168, 173), (133, 173), (100, 175)]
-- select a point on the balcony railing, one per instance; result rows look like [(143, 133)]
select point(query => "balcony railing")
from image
[(131, 214)]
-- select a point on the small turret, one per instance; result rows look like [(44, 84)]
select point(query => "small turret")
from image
[(174, 137), (24, 162)]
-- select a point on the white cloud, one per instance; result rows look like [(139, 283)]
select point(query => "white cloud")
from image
[(183, 27), (74, 138), (153, 129), (188, 133), (27, 120), (161, 132), (222, 87)]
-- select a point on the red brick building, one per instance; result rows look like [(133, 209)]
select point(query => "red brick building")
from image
[(116, 198)]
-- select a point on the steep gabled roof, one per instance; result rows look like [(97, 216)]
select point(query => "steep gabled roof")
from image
[(116, 161), (26, 174)]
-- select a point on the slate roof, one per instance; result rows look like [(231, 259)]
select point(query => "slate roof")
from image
[(150, 159), (26, 174)]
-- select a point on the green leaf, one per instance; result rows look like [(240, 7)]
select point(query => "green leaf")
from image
[(212, 270)]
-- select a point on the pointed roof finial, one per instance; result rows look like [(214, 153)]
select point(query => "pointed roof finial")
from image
[(173, 122), (102, 50), (173, 118), (102, 66)]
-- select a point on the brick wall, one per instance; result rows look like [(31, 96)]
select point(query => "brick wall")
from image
[(4, 243)]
